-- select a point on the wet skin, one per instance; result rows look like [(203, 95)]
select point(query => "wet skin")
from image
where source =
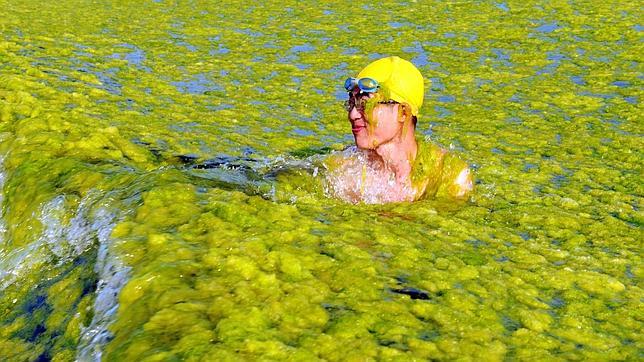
[(381, 126)]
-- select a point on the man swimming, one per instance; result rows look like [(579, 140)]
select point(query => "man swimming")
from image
[(389, 164)]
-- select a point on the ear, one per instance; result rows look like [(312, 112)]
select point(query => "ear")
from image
[(404, 112)]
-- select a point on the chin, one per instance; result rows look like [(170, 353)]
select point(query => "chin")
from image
[(363, 143)]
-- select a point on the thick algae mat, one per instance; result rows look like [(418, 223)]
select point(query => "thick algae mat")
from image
[(159, 203)]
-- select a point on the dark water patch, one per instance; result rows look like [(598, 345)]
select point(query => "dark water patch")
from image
[(185, 127), (476, 243), (429, 335), (501, 259), (179, 39), (442, 112), (548, 28), (199, 84), (469, 49), (135, 57), (480, 82), (304, 48), (249, 32), (610, 251), (220, 50), (621, 83), (516, 98), (37, 308), (37, 331), (43, 357), (339, 72), (552, 67), (631, 99), (127, 104), (421, 57), (545, 31), (510, 325), (579, 80), (302, 132), (340, 93), (413, 293), (220, 107), (501, 57), (105, 77), (436, 85), (558, 180), (398, 24), (446, 99), (35, 302), (502, 6), (315, 116), (224, 161), (271, 45), (514, 120), (155, 151), (350, 51), (270, 75), (557, 302), (374, 56), (187, 159), (530, 166)]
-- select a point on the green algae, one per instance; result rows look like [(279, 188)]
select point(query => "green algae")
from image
[(98, 101)]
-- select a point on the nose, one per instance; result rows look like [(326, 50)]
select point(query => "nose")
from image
[(354, 114)]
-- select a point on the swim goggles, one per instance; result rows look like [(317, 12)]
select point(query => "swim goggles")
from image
[(368, 85)]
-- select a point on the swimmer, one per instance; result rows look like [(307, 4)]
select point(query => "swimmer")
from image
[(389, 163)]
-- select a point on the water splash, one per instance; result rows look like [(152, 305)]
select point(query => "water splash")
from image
[(112, 274), (3, 226), (64, 239), (359, 179)]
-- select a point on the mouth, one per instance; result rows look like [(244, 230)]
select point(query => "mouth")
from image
[(355, 128)]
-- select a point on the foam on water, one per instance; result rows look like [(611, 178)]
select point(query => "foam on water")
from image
[(3, 226), (60, 242), (113, 275), (20, 260)]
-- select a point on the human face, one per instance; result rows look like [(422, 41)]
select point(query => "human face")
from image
[(372, 123)]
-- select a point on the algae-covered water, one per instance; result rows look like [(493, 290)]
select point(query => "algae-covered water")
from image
[(162, 198)]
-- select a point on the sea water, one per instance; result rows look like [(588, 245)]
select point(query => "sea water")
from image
[(160, 183)]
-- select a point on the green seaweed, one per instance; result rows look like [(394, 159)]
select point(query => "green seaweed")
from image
[(253, 260)]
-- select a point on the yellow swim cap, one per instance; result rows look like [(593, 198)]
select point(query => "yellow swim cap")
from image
[(399, 80)]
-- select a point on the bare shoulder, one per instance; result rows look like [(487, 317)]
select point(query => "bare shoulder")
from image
[(439, 172)]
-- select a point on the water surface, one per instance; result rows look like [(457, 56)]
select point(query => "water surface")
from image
[(158, 200)]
